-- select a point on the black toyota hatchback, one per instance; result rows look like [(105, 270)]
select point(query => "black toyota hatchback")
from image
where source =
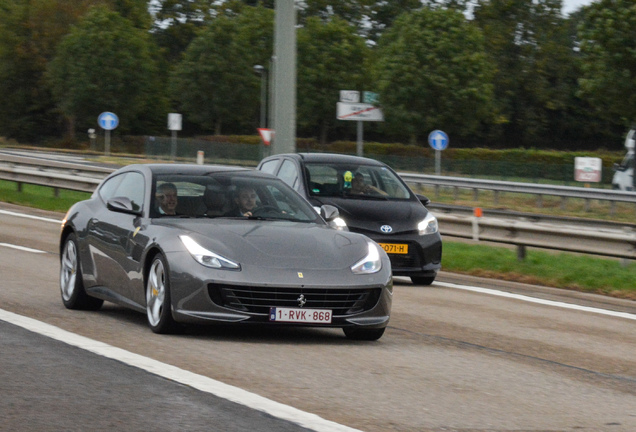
[(373, 200)]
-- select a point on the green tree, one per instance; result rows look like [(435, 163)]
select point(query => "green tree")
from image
[(331, 57), (536, 70), (29, 32), (177, 23), (432, 73), (608, 47), (214, 85), (106, 64)]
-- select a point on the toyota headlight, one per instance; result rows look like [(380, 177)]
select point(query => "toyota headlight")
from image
[(428, 225), (372, 263), (206, 257)]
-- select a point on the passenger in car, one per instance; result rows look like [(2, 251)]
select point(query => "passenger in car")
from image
[(167, 198)]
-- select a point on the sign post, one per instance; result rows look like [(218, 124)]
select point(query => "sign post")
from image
[(438, 140), (107, 121), (350, 108), (174, 124)]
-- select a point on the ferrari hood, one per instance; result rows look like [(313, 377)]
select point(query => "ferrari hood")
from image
[(278, 244)]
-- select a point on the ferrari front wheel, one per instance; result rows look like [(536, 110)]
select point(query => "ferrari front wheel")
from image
[(158, 305)]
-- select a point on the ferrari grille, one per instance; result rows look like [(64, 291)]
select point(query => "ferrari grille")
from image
[(342, 301)]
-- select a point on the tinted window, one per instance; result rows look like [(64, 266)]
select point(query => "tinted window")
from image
[(132, 187), (269, 166), (108, 189), (335, 179), (289, 174)]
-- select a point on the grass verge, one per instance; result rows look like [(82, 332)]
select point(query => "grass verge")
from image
[(578, 272), (40, 197)]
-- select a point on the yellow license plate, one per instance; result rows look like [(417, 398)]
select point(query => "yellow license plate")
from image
[(394, 248)]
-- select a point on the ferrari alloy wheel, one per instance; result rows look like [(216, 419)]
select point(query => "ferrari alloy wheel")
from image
[(73, 294), (158, 297)]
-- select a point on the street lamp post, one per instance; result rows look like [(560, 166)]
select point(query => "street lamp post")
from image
[(260, 70)]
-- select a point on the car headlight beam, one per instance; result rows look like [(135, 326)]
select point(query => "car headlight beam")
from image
[(428, 225), (206, 257), (372, 263)]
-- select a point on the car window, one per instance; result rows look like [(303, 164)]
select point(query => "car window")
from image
[(323, 180), (335, 179), (109, 187), (129, 185), (289, 174), (132, 187), (218, 194), (269, 166)]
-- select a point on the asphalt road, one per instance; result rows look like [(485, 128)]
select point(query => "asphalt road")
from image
[(455, 358)]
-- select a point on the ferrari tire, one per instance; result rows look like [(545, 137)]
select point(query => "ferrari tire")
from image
[(365, 334), (71, 285), (158, 303)]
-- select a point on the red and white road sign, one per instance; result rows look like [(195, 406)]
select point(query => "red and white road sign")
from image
[(267, 135), (359, 111)]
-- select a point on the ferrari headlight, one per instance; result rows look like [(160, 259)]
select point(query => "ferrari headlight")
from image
[(370, 263), (428, 225), (205, 257)]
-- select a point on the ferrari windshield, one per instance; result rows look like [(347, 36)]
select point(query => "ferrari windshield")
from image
[(343, 180), (228, 194)]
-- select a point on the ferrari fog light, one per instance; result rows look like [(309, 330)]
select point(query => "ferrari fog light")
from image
[(428, 225), (370, 263), (206, 257)]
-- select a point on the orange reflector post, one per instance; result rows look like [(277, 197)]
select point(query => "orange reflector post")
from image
[(477, 212)]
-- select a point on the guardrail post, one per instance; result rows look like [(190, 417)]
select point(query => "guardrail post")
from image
[(540, 201), (521, 252), (19, 186), (564, 200), (496, 193), (587, 205)]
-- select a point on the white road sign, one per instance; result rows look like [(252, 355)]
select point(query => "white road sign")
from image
[(349, 96), (174, 121), (588, 169), (359, 111)]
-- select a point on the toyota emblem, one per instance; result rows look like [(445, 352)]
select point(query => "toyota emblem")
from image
[(386, 229)]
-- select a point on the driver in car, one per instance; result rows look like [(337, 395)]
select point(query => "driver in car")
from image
[(245, 201)]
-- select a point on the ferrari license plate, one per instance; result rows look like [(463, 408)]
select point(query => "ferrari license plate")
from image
[(298, 315), (395, 248)]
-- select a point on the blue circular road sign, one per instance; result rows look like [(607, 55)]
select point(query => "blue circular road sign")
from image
[(438, 140), (108, 120)]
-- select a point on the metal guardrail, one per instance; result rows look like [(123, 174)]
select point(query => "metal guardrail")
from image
[(619, 243), (540, 190), (612, 241)]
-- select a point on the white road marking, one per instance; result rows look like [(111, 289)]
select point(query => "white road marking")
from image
[(22, 248), (538, 300), (10, 213), (199, 382)]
